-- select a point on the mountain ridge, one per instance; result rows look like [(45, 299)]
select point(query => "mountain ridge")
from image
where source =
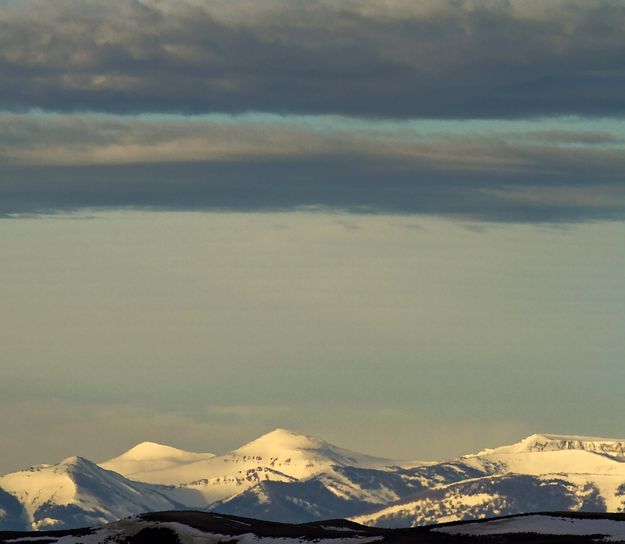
[(288, 476), (279, 455), (557, 442), (76, 491)]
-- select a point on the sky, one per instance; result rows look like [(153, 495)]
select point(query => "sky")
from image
[(395, 225)]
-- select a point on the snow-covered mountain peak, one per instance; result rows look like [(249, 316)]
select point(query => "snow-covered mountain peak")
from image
[(75, 461), (301, 455), (77, 490), (280, 455), (281, 440), (69, 464), (151, 456), (612, 447), (154, 450)]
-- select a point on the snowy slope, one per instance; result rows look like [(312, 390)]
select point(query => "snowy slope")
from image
[(548, 462), (336, 493), (297, 502), (580, 460), (541, 472), (76, 492), (486, 497), (340, 491)]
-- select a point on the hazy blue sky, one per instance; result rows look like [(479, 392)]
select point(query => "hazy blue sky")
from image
[(396, 225)]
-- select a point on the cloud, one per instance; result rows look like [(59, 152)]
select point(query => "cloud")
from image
[(113, 139), (353, 184), (444, 59), (597, 197), (567, 170), (314, 104)]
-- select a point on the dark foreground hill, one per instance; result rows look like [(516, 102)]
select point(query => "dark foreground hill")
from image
[(191, 527)]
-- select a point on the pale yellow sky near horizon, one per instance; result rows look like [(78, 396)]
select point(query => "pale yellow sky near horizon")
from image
[(404, 336)]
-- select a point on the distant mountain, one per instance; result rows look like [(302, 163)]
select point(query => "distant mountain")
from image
[(204, 528), (301, 455), (610, 447), (486, 497), (75, 493), (541, 472), (296, 502), (340, 491), (278, 456), (296, 478)]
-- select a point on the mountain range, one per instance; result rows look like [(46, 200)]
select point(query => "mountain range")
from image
[(290, 477)]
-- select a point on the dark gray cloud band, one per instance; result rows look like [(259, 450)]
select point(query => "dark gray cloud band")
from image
[(439, 59), (434, 59), (349, 183), (552, 170)]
